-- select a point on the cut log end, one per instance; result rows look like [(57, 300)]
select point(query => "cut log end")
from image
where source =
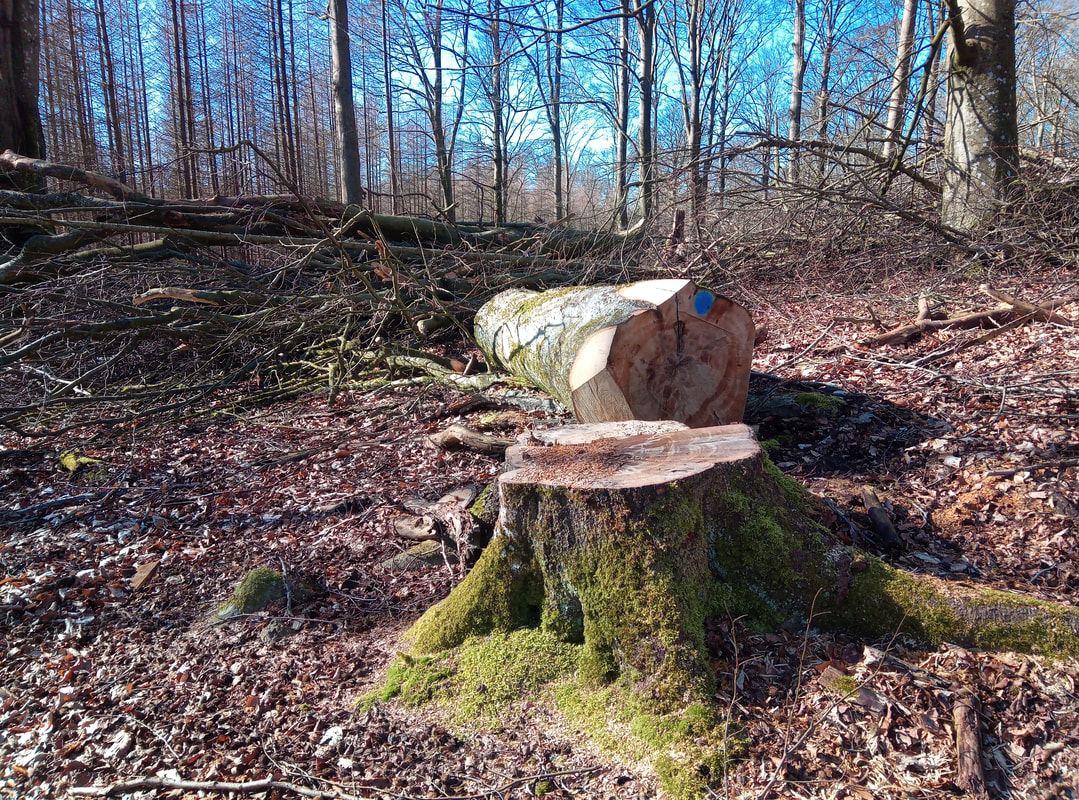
[(653, 350), (686, 359)]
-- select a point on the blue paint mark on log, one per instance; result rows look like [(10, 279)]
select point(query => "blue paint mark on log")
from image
[(702, 302)]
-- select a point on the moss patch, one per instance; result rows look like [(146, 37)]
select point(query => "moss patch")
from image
[(497, 671), (690, 749), (501, 593), (828, 403), (412, 681), (883, 599), (259, 587)]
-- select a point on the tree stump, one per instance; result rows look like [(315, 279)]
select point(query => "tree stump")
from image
[(625, 537), (652, 350), (617, 543)]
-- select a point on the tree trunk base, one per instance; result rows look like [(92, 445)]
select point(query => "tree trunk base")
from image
[(626, 545)]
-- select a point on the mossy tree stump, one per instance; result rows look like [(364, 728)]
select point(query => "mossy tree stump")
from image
[(651, 350), (627, 544)]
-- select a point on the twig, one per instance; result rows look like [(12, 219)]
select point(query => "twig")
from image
[(268, 784), (1043, 465)]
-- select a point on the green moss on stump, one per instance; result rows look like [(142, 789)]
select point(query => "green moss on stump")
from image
[(501, 593)]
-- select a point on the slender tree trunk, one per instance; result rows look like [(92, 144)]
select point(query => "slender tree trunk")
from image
[(981, 136), (622, 120), (20, 120), (189, 102), (143, 104), (824, 94), (646, 34), (82, 117), (934, 11), (897, 100), (108, 88), (206, 99), (798, 69), (561, 196), (349, 186), (498, 133), (391, 132)]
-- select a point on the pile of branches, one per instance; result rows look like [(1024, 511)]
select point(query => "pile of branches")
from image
[(117, 307)]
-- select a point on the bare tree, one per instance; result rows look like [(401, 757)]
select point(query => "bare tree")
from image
[(897, 98), (798, 71)]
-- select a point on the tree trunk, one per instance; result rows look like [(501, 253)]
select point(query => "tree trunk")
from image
[(798, 69), (627, 540), (651, 350), (981, 135), (621, 125), (897, 100), (349, 186), (20, 123), (646, 35)]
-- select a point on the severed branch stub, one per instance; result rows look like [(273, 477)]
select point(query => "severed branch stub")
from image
[(651, 350)]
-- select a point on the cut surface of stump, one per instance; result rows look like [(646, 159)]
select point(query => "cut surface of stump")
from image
[(651, 350)]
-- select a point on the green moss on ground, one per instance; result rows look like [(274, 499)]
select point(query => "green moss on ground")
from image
[(825, 402), (486, 678), (412, 681), (259, 587), (690, 748)]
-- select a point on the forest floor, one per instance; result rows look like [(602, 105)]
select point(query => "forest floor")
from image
[(100, 682)]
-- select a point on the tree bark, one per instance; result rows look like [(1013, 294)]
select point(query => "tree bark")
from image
[(651, 350), (981, 134), (349, 187), (20, 123), (897, 99), (798, 69)]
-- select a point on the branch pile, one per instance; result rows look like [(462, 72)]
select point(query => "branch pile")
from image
[(111, 296)]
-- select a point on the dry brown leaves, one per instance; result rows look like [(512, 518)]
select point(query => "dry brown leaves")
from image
[(100, 681)]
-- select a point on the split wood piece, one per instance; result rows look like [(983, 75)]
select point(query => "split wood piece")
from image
[(837, 681), (143, 574), (653, 350), (457, 436), (968, 746), (874, 657), (882, 522)]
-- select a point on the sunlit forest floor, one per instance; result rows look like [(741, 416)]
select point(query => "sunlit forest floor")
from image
[(100, 682)]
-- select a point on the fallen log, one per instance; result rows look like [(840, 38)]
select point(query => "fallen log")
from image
[(652, 350), (627, 544)]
